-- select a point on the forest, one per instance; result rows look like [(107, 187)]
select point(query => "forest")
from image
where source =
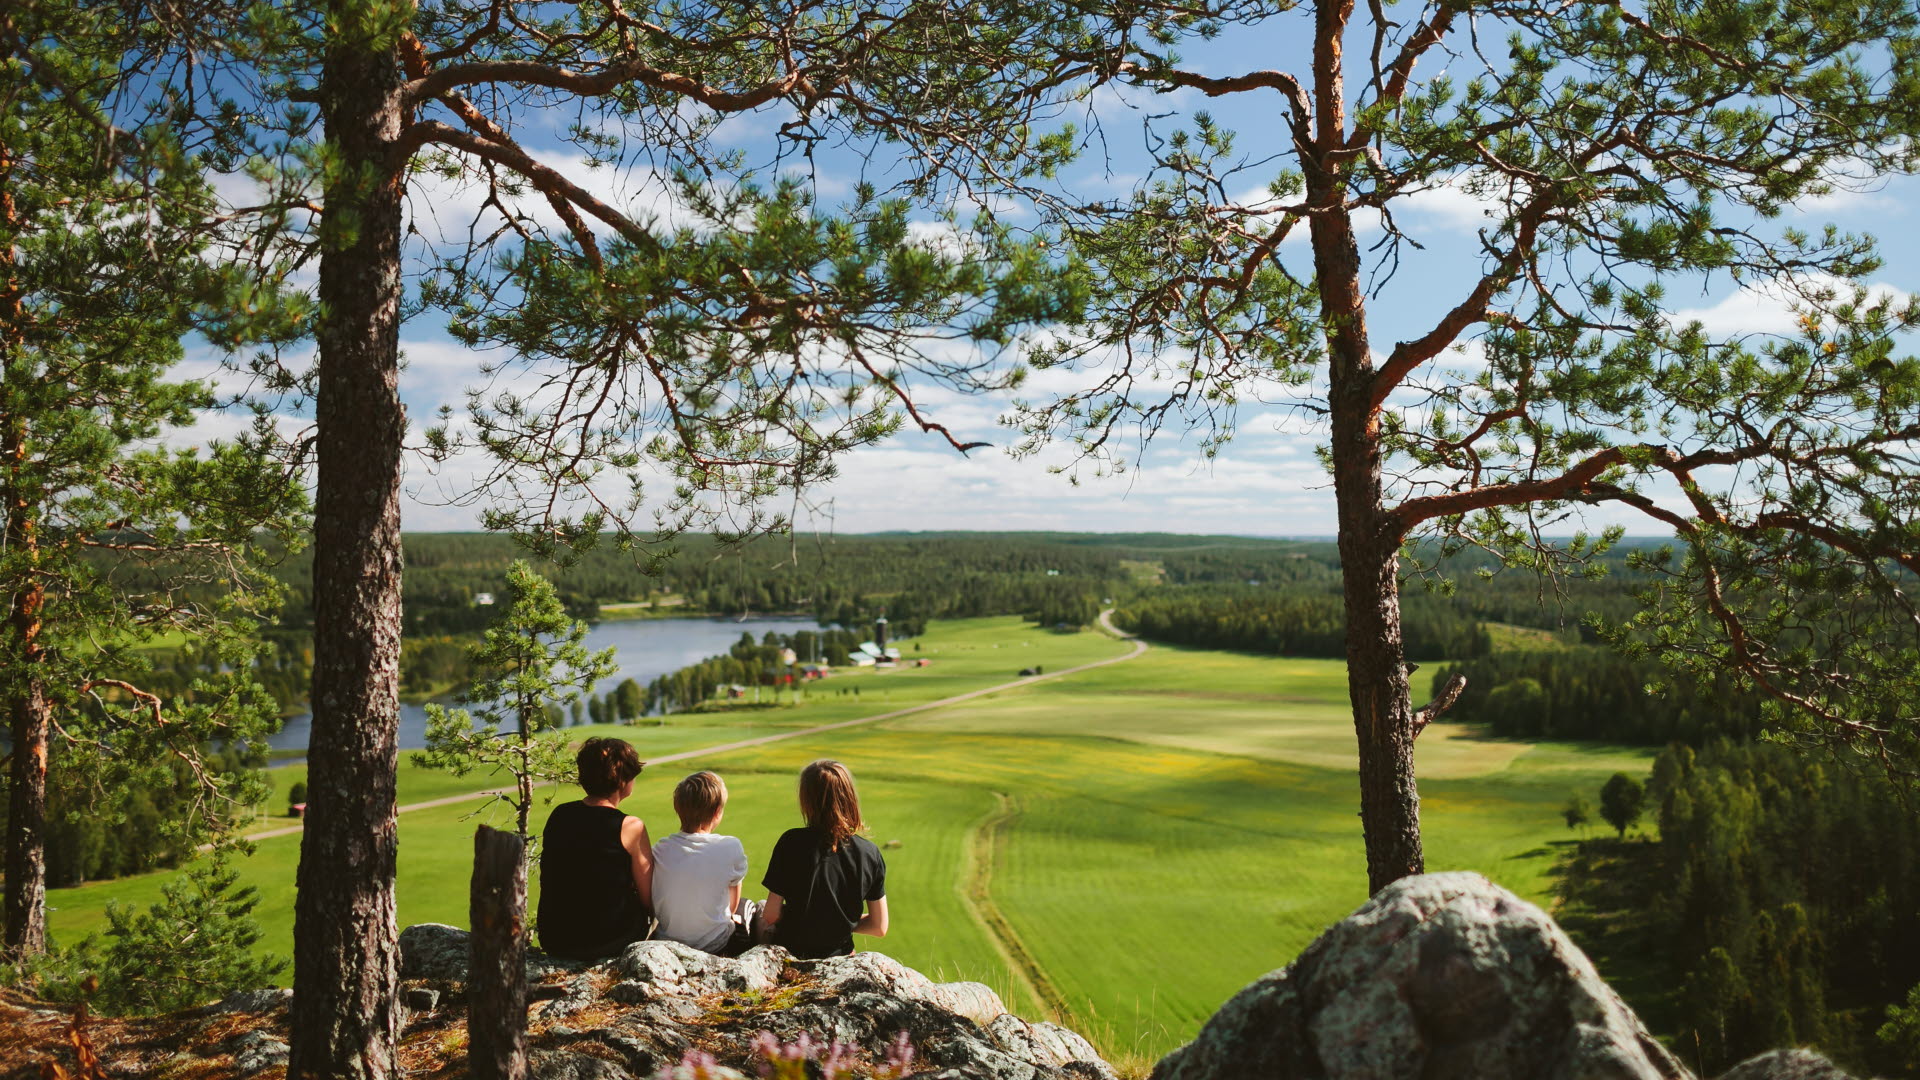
[(1779, 905), (1590, 692)]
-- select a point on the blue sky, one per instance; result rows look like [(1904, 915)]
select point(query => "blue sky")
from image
[(1265, 483)]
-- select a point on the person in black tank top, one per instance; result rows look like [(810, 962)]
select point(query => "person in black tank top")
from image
[(596, 861), (824, 883)]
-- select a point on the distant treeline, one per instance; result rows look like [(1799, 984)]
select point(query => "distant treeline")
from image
[(837, 580), (1783, 900), (1271, 596), (1285, 622), (1590, 692), (1288, 601), (844, 581)]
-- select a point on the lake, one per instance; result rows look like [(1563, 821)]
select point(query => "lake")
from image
[(645, 649)]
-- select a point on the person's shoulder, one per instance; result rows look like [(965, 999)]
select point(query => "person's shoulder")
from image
[(793, 843), (865, 847)]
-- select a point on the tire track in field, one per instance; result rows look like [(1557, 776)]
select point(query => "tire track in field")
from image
[(981, 852), (1104, 621)]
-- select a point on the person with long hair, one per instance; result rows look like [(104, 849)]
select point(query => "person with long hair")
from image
[(596, 862), (825, 882)]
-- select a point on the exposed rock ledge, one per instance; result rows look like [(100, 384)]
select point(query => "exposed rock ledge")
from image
[(656, 1001), (1441, 977)]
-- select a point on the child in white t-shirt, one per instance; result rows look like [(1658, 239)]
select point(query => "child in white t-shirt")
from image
[(697, 874)]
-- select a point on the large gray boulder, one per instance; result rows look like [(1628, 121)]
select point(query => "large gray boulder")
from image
[(1442, 977)]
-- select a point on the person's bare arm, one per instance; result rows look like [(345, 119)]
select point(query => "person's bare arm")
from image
[(770, 914), (633, 837), (874, 922)]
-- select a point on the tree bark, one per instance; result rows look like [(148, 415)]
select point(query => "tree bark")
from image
[(28, 715), (1377, 686), (1383, 717), (1382, 707), (1369, 536), (28, 723), (497, 973), (345, 1015)]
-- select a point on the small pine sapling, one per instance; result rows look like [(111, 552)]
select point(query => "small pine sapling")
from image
[(528, 665), (195, 945)]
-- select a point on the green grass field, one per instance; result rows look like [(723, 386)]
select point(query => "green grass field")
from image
[(1125, 846)]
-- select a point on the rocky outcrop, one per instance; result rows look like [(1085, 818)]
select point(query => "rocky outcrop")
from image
[(661, 1005), (1443, 977)]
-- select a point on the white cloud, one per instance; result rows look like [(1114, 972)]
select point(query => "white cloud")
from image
[(445, 208), (1771, 307), (1463, 202)]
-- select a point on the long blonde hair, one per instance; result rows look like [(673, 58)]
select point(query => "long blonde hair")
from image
[(829, 802)]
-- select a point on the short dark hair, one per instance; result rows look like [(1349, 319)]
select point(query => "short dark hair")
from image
[(606, 764)]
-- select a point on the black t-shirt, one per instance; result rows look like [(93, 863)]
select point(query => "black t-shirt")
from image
[(822, 892), (589, 906)]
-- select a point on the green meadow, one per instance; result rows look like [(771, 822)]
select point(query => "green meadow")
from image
[(1122, 847)]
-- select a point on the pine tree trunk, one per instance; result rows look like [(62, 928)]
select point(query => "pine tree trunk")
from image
[(28, 723), (1376, 657), (1369, 537), (1382, 712), (28, 716), (345, 1014)]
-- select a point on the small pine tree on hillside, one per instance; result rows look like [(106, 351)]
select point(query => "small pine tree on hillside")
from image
[(528, 665), (197, 944)]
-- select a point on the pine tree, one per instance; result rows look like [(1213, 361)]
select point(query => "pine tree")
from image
[(194, 946), (528, 663), (108, 542), (1624, 156), (746, 353)]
